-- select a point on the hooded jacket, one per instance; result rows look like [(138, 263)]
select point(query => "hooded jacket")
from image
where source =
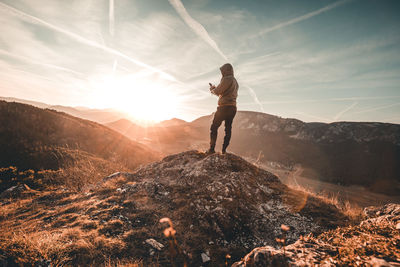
[(227, 89)]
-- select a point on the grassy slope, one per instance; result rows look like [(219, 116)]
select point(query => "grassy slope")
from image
[(38, 139)]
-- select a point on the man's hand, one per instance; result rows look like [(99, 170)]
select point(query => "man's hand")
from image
[(212, 87)]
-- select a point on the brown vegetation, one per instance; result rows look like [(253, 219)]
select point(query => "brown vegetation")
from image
[(373, 242), (37, 139), (110, 222)]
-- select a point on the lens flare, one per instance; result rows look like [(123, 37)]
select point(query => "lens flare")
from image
[(137, 95)]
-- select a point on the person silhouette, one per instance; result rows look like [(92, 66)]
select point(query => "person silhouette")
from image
[(227, 92)]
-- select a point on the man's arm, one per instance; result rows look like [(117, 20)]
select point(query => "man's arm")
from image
[(220, 89)]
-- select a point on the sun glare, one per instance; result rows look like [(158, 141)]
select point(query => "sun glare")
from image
[(138, 96)]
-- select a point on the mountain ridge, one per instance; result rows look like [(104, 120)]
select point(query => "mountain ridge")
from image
[(43, 139), (345, 153), (97, 115)]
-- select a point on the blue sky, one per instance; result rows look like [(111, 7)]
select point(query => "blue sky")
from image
[(312, 60)]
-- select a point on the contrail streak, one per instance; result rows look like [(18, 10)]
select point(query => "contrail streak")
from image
[(76, 37), (32, 61), (195, 26), (111, 24), (255, 98), (338, 115), (114, 66), (304, 17), (111, 17)]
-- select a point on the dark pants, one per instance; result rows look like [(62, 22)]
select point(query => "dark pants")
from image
[(224, 113)]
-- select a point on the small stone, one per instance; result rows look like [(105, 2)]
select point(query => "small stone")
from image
[(154, 244), (205, 257), (151, 252), (375, 262)]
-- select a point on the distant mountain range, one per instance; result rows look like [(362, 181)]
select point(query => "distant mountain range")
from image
[(362, 153), (97, 115)]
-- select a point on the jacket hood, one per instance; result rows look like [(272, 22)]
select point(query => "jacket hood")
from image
[(226, 69)]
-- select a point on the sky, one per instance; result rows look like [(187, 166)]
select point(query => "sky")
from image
[(320, 60)]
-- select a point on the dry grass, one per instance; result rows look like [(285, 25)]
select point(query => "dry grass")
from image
[(53, 226), (357, 244), (76, 175), (68, 246), (74, 229), (83, 172), (105, 227), (302, 194), (350, 210)]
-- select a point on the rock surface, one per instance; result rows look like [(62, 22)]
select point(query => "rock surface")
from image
[(222, 203), (374, 242), (17, 191), (201, 209)]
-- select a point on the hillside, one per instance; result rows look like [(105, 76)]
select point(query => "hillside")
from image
[(97, 115), (38, 139), (167, 137), (346, 153), (218, 204), (127, 128), (171, 122)]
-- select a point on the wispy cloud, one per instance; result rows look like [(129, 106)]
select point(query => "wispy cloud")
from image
[(35, 62), (335, 99), (377, 108), (255, 98), (76, 37), (295, 72), (111, 17), (196, 26), (339, 114), (363, 98), (326, 69), (111, 25), (39, 86), (319, 118), (303, 17)]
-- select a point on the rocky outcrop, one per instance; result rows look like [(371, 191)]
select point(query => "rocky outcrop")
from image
[(374, 242), (330, 152), (190, 207), (221, 203)]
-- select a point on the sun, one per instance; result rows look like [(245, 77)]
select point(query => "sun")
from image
[(140, 97)]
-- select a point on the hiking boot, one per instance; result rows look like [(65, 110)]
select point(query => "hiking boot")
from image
[(210, 151), (224, 149)]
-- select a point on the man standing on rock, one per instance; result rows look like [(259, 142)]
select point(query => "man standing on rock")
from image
[(227, 91)]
